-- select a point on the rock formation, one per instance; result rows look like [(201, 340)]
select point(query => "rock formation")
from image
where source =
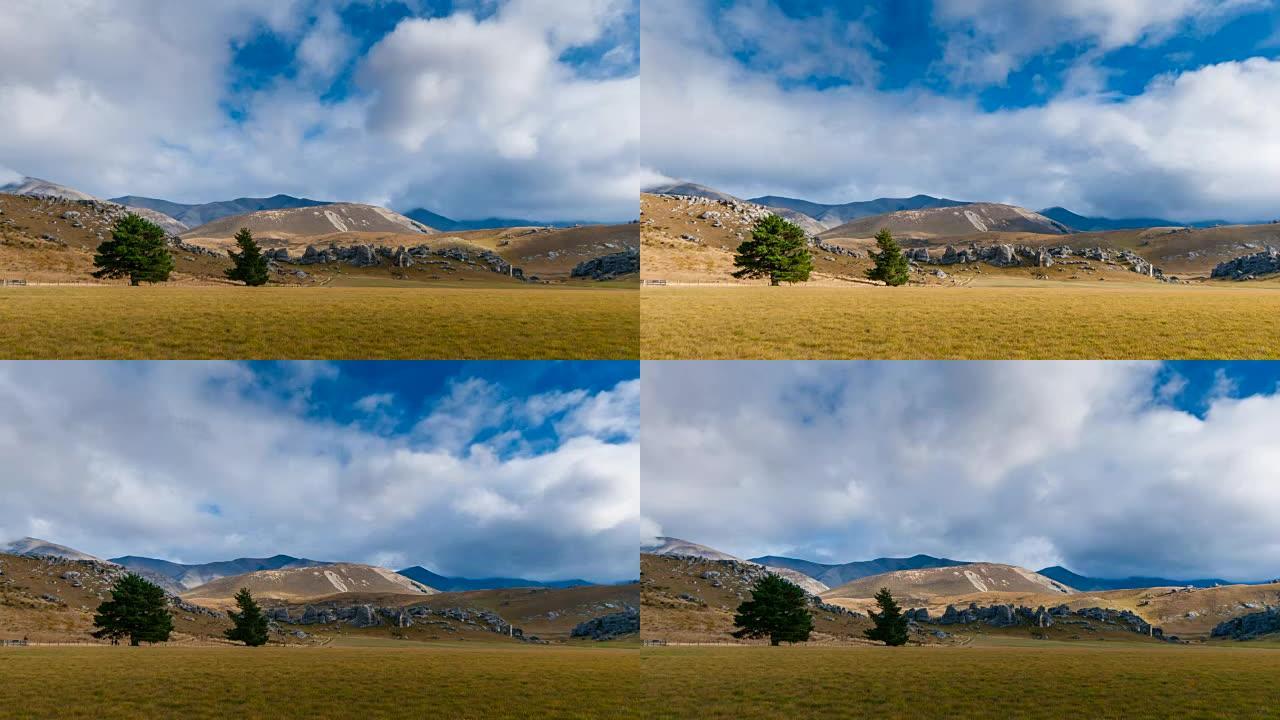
[(608, 267), (1248, 627), (1249, 267), (609, 627)]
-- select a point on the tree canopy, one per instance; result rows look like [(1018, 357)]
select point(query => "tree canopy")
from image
[(778, 250), (778, 610), (137, 250), (250, 266), (138, 610), (891, 265), (890, 624), (250, 625)]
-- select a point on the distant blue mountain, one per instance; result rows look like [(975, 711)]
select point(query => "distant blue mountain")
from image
[(1099, 224), (837, 575), (190, 576), (456, 584), (1080, 582), (444, 224), (194, 216), (834, 215)]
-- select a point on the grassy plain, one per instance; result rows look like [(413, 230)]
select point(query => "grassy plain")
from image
[(1009, 678), (212, 322), (363, 679), (1017, 320)]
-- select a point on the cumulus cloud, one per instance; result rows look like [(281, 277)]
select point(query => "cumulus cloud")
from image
[(1079, 464), (199, 462), (988, 39), (469, 115), (1194, 145)]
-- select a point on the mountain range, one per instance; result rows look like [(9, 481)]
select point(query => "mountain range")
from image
[(1080, 582), (829, 216), (180, 577), (834, 575), (35, 547), (196, 215), (193, 576), (178, 217), (458, 584), (1095, 224), (675, 547), (834, 215)]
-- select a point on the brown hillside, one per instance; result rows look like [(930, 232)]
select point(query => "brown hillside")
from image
[(46, 600), (693, 240), (308, 221), (302, 584), (688, 599), (920, 586), (951, 222), (1187, 613)]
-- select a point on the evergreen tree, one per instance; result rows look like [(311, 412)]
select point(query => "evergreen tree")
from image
[(891, 265), (250, 265), (777, 250), (137, 250), (891, 624), (777, 609), (137, 610), (250, 624)]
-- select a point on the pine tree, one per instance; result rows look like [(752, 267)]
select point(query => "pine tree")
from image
[(778, 609), (250, 265), (891, 265), (137, 610), (891, 624), (137, 250), (250, 624), (777, 250)]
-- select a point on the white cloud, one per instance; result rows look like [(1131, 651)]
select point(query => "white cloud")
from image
[(375, 402), (988, 39), (326, 47), (1029, 463), (468, 117), (1191, 146), (128, 458)]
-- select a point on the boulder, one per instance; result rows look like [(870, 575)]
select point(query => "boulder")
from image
[(950, 616), (1248, 267), (608, 627), (364, 256), (608, 267), (1249, 627), (364, 615)]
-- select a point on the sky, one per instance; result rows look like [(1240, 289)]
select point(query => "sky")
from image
[(1116, 108), (520, 469), (1110, 469), (469, 108)]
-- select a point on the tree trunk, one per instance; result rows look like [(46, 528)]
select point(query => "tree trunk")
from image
[(774, 641), (774, 281), (133, 641), (134, 281)]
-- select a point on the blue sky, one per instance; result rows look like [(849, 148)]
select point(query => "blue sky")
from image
[(478, 108), (521, 469), (1119, 107), (1110, 469), (910, 48)]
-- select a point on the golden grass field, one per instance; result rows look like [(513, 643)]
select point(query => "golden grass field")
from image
[(217, 322), (1008, 679), (1020, 320), (369, 679)]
